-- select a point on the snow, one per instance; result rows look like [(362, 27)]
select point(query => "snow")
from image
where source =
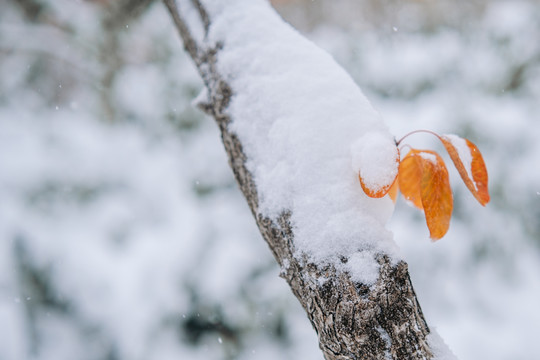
[(362, 268), (297, 114), (439, 347), (375, 158), (429, 157), (388, 342), (464, 153)]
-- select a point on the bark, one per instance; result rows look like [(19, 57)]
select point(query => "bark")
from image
[(352, 320)]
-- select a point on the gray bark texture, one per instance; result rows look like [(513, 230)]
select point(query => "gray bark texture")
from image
[(352, 320)]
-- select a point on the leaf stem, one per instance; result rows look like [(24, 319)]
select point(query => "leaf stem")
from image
[(417, 131), (404, 147)]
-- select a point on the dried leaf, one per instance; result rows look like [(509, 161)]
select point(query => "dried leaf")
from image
[(380, 192), (394, 190), (410, 178), (423, 180), (436, 194), (470, 165), (371, 193)]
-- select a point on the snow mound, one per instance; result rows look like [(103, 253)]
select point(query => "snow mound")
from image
[(297, 113), (374, 157)]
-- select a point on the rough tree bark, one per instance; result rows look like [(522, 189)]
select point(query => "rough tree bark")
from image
[(352, 320)]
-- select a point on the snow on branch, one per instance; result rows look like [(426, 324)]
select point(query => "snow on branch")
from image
[(291, 122)]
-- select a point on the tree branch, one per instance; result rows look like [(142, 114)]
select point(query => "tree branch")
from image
[(203, 14), (189, 42), (352, 320)]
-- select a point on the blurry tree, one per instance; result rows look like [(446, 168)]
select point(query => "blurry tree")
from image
[(378, 14)]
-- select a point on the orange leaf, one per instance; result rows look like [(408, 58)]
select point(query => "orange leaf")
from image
[(470, 165), (410, 178), (394, 189), (371, 193), (379, 193), (436, 194)]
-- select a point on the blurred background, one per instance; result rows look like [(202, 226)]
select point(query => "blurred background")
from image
[(123, 234)]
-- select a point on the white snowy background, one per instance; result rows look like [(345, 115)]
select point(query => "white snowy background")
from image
[(123, 234)]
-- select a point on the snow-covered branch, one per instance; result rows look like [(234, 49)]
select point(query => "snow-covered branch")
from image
[(293, 122)]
